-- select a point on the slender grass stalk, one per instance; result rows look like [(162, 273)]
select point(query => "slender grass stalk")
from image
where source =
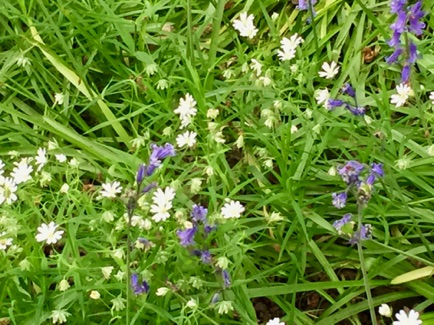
[(363, 267)]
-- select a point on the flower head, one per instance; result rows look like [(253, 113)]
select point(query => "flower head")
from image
[(139, 288), (21, 173), (339, 200), (187, 139), (8, 187), (412, 318), (403, 92), (244, 25), (48, 233), (186, 237), (162, 203), (110, 190), (59, 316), (4, 241), (339, 224), (288, 47), (199, 213), (275, 321), (350, 172), (385, 310), (329, 70), (186, 110), (232, 209)]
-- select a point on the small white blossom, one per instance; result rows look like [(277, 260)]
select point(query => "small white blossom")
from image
[(240, 141), (332, 171), (23, 61), (212, 113), (192, 304), (162, 203), (60, 158), (403, 163), (110, 190), (223, 307), (94, 294), (275, 321), (430, 150), (264, 81), (232, 209), (186, 110), (218, 137), (222, 262), (188, 139), (274, 217), (120, 275), (108, 216), (228, 73), (322, 97), (244, 25), (294, 128), (8, 187), (74, 163), (431, 97), (59, 98), (48, 233), (288, 47), (63, 285), (209, 171), (385, 310), (195, 185), (41, 158), (45, 179), (412, 318), (64, 188), (274, 16), (59, 316), (21, 173), (256, 66), (151, 69), (4, 242), (329, 70), (162, 84), (118, 303), (162, 291), (268, 163), (400, 98)]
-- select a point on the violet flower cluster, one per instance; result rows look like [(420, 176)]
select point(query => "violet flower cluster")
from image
[(354, 109), (360, 179), (408, 19), (187, 238), (305, 4)]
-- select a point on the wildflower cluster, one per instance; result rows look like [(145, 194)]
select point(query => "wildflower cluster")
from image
[(354, 109), (244, 25), (186, 110), (351, 174)]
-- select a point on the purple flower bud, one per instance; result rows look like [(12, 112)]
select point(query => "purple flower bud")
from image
[(412, 49), (149, 187), (399, 24), (339, 200), (205, 257), (338, 224), (157, 154), (395, 40), (405, 73), (414, 15), (215, 298), (397, 6), (378, 169), (209, 228), (357, 111), (350, 172), (348, 90), (138, 288), (140, 173), (199, 213), (186, 237), (362, 234), (333, 103), (226, 279), (394, 57)]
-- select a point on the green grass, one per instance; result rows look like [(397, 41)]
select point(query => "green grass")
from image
[(98, 54)]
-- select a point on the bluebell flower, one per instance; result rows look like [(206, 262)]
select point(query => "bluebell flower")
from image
[(226, 279), (140, 173), (357, 111), (338, 224), (412, 52), (158, 154), (138, 288), (149, 187), (362, 234), (208, 228), (205, 256), (333, 103), (394, 57), (376, 171), (186, 237), (199, 213), (339, 200), (348, 90), (350, 172), (215, 298), (415, 14), (397, 6)]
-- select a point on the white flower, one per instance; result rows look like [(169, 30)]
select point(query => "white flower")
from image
[(240, 141), (120, 275), (41, 158), (218, 137), (222, 262), (192, 304), (244, 25), (212, 113), (162, 84), (403, 92), (403, 163), (430, 150), (195, 185), (74, 163), (256, 66), (232, 209), (275, 321), (48, 233), (330, 70), (188, 138), (288, 47), (64, 188), (274, 16), (111, 189), (45, 179), (223, 307), (186, 110), (118, 303), (59, 316), (209, 171), (107, 271), (60, 158), (274, 217), (21, 173), (64, 285), (322, 96), (385, 310), (108, 216), (150, 69), (412, 318), (94, 294), (59, 98), (162, 291), (23, 61), (268, 163), (264, 81), (4, 242), (8, 187), (228, 73), (332, 171), (162, 203), (431, 97), (294, 128)]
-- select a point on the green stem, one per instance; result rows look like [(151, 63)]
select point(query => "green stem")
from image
[(363, 268)]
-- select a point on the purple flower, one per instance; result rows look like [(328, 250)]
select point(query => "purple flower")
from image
[(338, 224), (209, 228), (333, 103), (378, 169), (205, 257), (399, 24), (394, 57), (146, 243), (350, 172), (215, 298), (186, 237), (158, 154), (405, 73), (357, 111), (395, 40), (362, 234), (397, 6), (226, 279), (339, 200), (412, 53), (415, 13), (348, 90), (138, 288), (140, 173), (199, 213), (149, 187)]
